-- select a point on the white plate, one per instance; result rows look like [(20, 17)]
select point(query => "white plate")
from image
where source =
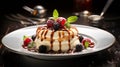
[(102, 39)]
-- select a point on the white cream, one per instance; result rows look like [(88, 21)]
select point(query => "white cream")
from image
[(57, 40)]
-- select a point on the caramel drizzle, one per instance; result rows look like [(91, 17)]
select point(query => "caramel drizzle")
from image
[(72, 33), (69, 39), (42, 35), (59, 41), (51, 41), (45, 33)]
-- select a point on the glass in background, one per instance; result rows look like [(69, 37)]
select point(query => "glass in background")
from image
[(82, 5)]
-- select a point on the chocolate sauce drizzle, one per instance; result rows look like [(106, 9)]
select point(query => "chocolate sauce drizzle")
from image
[(42, 35), (69, 39), (51, 41), (45, 33)]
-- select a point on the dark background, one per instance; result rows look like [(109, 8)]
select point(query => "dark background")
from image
[(66, 6), (8, 6)]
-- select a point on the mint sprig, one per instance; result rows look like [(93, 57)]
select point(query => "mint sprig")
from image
[(55, 14), (24, 37), (86, 44), (70, 19)]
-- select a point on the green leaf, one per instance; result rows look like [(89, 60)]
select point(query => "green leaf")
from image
[(72, 19), (24, 37), (67, 25), (55, 14), (31, 45), (86, 44)]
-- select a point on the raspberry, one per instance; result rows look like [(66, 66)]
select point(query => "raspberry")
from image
[(61, 21), (86, 40), (27, 41), (91, 45), (50, 23)]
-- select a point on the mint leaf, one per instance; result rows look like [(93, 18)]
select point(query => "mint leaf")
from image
[(67, 25), (55, 14), (86, 44), (72, 19), (24, 37)]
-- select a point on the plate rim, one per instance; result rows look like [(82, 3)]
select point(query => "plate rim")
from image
[(58, 56)]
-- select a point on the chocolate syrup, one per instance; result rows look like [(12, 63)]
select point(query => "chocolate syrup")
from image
[(45, 33), (51, 41), (42, 35), (69, 39)]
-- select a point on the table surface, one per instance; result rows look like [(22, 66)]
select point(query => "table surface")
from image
[(107, 58)]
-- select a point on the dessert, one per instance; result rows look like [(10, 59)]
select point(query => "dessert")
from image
[(57, 36)]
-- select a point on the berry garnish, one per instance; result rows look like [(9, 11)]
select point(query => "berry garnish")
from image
[(27, 41), (61, 21), (31, 45), (33, 37), (86, 42), (50, 23), (56, 26), (78, 48), (80, 38), (91, 45), (42, 49)]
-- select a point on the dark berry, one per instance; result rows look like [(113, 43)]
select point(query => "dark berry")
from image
[(78, 48), (81, 38), (50, 23), (33, 37), (42, 49), (56, 26)]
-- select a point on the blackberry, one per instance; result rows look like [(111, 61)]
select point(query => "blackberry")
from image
[(56, 26), (33, 37), (81, 38), (78, 48), (42, 49)]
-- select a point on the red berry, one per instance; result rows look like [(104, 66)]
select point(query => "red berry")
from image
[(61, 21), (91, 45), (86, 40), (27, 41), (50, 23)]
